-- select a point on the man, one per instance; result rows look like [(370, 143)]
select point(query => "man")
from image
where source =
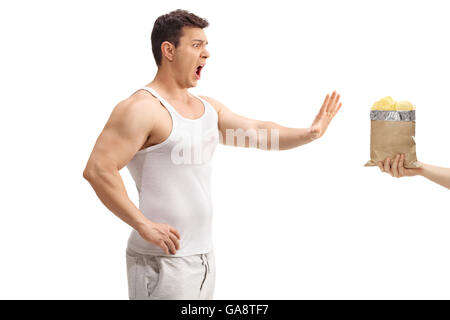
[(396, 169), (166, 137)]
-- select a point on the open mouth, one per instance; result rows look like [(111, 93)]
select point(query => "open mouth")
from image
[(198, 71)]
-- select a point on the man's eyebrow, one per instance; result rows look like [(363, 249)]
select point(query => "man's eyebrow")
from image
[(200, 40)]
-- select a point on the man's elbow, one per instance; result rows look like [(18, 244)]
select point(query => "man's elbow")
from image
[(87, 173), (99, 169), (92, 170)]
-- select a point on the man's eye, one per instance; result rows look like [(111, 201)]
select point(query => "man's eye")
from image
[(196, 44)]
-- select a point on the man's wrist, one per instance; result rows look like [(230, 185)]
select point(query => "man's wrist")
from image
[(312, 134), (421, 170), (142, 225)]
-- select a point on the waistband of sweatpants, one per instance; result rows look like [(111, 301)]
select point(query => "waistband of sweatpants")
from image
[(134, 252)]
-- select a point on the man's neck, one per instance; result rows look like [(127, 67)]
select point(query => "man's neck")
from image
[(168, 87)]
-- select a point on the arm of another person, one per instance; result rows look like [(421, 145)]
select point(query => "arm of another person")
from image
[(239, 131), (126, 130), (396, 169)]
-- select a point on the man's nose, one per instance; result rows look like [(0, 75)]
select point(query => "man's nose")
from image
[(206, 54)]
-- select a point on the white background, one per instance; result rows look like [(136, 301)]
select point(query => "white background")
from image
[(306, 223)]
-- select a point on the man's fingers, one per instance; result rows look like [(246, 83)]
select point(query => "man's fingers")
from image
[(338, 104), (174, 240), (175, 232), (163, 246), (325, 103), (337, 109), (395, 166), (331, 101), (333, 107), (387, 165), (170, 245), (331, 104)]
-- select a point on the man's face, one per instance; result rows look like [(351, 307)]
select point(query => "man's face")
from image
[(190, 54)]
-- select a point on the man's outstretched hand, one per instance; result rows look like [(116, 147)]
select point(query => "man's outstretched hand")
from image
[(330, 107)]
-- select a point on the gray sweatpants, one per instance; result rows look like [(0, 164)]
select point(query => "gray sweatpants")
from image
[(165, 277)]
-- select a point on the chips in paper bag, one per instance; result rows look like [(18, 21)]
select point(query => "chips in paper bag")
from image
[(393, 127)]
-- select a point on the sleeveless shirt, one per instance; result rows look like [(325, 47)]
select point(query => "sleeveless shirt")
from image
[(173, 180)]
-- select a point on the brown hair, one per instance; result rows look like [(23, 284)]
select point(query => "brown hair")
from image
[(168, 28)]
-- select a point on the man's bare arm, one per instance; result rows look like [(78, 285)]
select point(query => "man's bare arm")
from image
[(237, 130), (126, 130)]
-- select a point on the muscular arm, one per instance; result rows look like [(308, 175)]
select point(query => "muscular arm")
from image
[(239, 131), (125, 132)]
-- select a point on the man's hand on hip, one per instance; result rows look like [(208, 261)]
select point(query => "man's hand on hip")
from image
[(162, 235)]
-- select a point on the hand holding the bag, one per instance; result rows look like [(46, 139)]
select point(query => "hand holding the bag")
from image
[(395, 167)]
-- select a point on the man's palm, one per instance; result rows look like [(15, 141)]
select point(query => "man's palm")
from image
[(330, 107)]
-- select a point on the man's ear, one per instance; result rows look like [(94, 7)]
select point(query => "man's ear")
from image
[(168, 50)]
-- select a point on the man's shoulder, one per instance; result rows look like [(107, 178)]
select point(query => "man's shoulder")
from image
[(213, 102), (139, 102), (136, 108)]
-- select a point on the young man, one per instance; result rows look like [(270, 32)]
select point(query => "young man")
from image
[(396, 169), (166, 137)]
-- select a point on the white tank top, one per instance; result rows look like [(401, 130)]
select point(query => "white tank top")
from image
[(173, 179)]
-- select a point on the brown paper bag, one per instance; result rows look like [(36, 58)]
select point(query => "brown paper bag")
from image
[(393, 132)]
